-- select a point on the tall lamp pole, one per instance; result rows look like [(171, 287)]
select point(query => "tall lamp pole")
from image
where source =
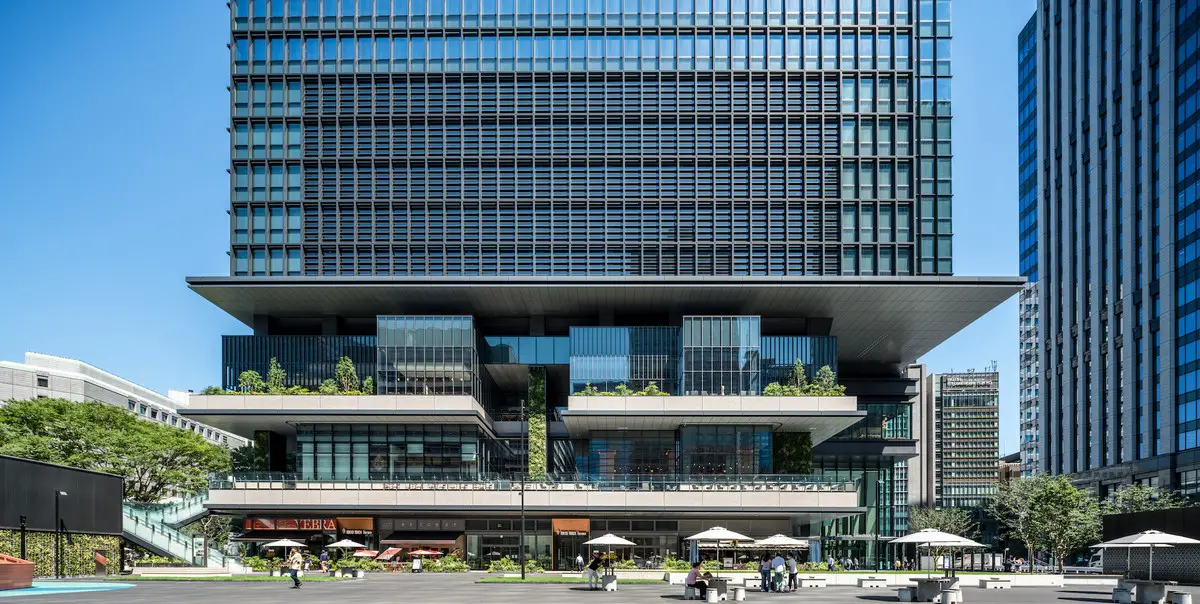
[(58, 574), (524, 470)]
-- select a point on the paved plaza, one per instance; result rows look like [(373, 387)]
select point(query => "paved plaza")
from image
[(462, 589)]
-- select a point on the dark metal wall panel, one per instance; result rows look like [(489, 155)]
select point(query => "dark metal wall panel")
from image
[(92, 504)]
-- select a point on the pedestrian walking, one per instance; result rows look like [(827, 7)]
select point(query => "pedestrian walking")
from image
[(579, 562), (764, 572), (594, 572), (295, 561), (791, 564), (778, 565), (324, 561)]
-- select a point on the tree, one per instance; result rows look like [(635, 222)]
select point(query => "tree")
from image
[(1013, 508), (212, 390), (1063, 518), (156, 460), (1141, 498), (249, 458), (328, 387), (275, 377), (798, 379), (956, 521), (825, 383), (347, 378), (250, 381), (792, 453), (368, 386), (215, 529)]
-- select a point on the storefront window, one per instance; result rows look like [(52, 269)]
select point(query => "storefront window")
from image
[(392, 452)]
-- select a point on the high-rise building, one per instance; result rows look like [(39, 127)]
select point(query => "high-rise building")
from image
[(1117, 222), (1028, 300), (965, 435), (482, 205)]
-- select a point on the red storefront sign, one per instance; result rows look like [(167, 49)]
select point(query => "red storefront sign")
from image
[(290, 524)]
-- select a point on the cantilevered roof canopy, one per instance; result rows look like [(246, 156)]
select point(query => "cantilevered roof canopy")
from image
[(876, 319)]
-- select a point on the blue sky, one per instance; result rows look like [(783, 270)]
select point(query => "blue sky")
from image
[(113, 185)]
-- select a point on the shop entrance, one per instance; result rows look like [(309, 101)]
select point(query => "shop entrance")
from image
[(569, 537)]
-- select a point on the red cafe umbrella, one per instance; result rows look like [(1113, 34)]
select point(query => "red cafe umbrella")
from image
[(424, 552), (366, 553), (389, 553)]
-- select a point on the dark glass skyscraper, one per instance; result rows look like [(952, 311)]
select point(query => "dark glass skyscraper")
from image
[(563, 210), (599, 137), (1116, 211), (1028, 317)]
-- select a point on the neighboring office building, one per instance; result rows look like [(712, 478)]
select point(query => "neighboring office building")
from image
[(48, 376), (587, 199), (1010, 467), (1027, 170), (1117, 151), (966, 437)]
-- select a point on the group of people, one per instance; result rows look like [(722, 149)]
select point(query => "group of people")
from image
[(777, 573), (847, 563)]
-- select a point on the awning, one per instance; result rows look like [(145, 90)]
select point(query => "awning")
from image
[(421, 539), (389, 553), (264, 536)]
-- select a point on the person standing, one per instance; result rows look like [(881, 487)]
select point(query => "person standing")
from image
[(764, 572), (791, 565), (579, 562), (295, 561), (777, 565), (324, 561), (594, 571)]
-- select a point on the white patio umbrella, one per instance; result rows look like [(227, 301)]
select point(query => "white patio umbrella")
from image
[(718, 534), (610, 540), (346, 543), (284, 543), (781, 541), (1150, 539), (935, 538)]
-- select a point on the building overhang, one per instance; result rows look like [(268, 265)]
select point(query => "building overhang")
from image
[(821, 416), (243, 414), (876, 319), (866, 449)]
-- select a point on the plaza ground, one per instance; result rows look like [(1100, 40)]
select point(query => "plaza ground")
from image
[(463, 589)]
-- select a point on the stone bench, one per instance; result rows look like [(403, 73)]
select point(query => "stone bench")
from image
[(754, 582), (949, 596), (995, 583), (1179, 597), (1122, 595), (690, 593), (906, 594), (872, 582), (812, 582)]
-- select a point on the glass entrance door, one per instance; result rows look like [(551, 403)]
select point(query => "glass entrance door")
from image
[(566, 549)]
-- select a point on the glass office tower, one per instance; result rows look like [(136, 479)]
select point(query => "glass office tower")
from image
[(1117, 268), (1027, 171), (643, 137)]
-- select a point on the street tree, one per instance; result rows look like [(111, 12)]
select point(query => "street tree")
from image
[(1013, 508), (1064, 518)]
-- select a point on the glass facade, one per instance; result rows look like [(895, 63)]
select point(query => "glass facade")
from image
[(1187, 226), (689, 451), (722, 355), (780, 353), (394, 452), (1027, 144), (605, 357), (462, 137), (307, 360), (427, 355), (526, 350)]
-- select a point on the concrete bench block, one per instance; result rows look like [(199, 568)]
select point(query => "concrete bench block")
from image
[(872, 582)]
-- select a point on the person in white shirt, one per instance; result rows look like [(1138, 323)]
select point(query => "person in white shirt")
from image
[(579, 561), (791, 568), (777, 565)]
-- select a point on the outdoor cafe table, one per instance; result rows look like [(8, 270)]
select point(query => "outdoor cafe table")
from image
[(1149, 591), (929, 587)]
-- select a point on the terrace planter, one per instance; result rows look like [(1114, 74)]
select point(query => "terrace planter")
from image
[(15, 573)]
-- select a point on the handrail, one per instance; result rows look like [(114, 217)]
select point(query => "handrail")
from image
[(653, 482)]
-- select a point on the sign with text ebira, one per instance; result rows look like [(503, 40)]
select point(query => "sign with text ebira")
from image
[(290, 524)]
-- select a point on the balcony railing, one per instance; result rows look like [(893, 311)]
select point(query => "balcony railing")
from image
[(751, 482)]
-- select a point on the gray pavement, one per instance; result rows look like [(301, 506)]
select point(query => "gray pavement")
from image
[(462, 589)]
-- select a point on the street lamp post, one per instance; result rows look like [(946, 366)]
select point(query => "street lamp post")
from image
[(58, 534), (524, 470)]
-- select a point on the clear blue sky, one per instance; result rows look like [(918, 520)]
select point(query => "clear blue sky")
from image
[(113, 185)]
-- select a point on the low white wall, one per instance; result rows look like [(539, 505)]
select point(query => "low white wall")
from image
[(903, 579)]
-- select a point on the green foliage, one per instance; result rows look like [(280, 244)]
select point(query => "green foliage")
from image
[(503, 565), (533, 565), (251, 382), (214, 528), (823, 384), (159, 561), (709, 565), (626, 564), (537, 447), (213, 391), (793, 453), (1142, 498), (275, 377), (297, 390), (347, 378), (536, 402), (156, 460), (363, 564), (256, 563), (1063, 517), (368, 386), (78, 551), (673, 563), (445, 564), (956, 521), (328, 387), (651, 389), (1012, 508)]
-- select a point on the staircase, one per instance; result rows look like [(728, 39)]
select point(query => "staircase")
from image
[(154, 526)]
